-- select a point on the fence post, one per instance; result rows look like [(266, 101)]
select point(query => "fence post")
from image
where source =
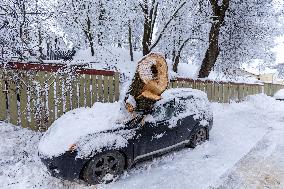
[(23, 101), (12, 96), (3, 112)]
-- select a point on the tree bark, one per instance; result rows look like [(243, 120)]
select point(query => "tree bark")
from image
[(149, 82), (177, 55), (89, 36), (213, 50)]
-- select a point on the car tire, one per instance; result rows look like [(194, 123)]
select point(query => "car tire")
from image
[(199, 136), (104, 168)]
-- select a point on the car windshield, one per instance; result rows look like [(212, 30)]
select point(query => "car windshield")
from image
[(164, 111)]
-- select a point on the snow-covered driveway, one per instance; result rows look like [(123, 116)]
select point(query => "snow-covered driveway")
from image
[(246, 150)]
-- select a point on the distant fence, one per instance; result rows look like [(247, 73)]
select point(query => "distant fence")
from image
[(35, 95), (225, 92)]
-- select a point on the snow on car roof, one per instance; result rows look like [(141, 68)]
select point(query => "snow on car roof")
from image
[(181, 93)]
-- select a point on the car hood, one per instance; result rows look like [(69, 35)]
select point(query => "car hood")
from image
[(75, 124)]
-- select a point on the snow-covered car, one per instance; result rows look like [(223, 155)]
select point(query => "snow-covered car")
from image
[(97, 144), (279, 95)]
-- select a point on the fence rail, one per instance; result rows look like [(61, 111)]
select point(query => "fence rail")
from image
[(35, 95)]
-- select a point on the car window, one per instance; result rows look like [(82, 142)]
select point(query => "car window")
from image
[(164, 112)]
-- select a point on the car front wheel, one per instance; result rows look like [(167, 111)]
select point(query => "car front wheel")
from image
[(104, 168), (198, 137)]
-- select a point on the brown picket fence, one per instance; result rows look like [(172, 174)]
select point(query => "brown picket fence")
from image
[(35, 95)]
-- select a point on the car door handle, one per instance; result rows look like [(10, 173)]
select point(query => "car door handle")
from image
[(164, 123)]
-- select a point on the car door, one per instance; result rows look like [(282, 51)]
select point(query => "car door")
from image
[(156, 136), (185, 124)]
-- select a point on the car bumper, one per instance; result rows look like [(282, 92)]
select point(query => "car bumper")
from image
[(66, 166)]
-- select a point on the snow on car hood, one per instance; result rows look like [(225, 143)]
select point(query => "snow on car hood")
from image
[(73, 125)]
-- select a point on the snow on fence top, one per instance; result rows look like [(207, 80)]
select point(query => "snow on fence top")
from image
[(55, 68)]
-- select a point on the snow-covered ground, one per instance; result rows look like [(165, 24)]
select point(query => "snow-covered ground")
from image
[(246, 150)]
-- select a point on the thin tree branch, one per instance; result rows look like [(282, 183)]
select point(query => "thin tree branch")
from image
[(166, 25)]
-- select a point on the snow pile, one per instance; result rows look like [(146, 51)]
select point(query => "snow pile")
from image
[(80, 122), (279, 95), (187, 102)]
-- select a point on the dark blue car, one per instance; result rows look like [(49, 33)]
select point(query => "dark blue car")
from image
[(183, 117)]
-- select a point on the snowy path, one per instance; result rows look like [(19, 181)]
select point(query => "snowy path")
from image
[(263, 166), (245, 151)]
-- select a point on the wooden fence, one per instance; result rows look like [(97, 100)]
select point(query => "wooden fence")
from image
[(34, 95), (225, 92)]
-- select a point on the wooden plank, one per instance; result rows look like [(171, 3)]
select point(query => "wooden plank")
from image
[(241, 92), (3, 112), (216, 92), (59, 96), (106, 88), (23, 102), (111, 89), (116, 86), (51, 98), (31, 102), (175, 84), (67, 92), (100, 88), (75, 93), (180, 84), (13, 107), (186, 84), (226, 93), (42, 117), (88, 91), (208, 87), (82, 91), (94, 89)]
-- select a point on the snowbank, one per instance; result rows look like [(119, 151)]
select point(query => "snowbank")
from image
[(279, 95)]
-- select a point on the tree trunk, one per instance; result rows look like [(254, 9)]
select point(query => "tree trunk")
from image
[(149, 82), (101, 22), (130, 42), (176, 62), (213, 51), (89, 36)]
